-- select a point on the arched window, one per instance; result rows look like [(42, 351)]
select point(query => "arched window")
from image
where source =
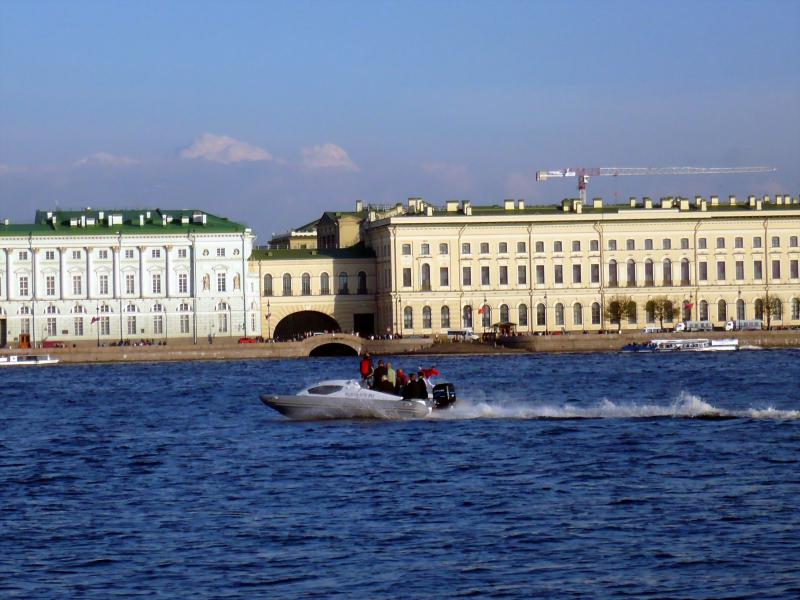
[(184, 307), (157, 308), (25, 310), (614, 311), (362, 282), (795, 309), (595, 313), (777, 313), (685, 272), (667, 266), (759, 309), (504, 313), (559, 314), (287, 284), (613, 273), (523, 315), (445, 317), (631, 273), (632, 314), (425, 277), (51, 310), (722, 311), (408, 318), (78, 309), (426, 317), (343, 285), (703, 310), (540, 314), (324, 284), (268, 285), (130, 308), (740, 309), (305, 284), (222, 313), (650, 312), (486, 314), (687, 310), (577, 314), (669, 311), (467, 317), (649, 279)]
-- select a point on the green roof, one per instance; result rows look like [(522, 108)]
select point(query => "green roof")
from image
[(304, 253), (126, 222)]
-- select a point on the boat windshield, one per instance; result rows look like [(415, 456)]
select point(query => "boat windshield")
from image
[(324, 390)]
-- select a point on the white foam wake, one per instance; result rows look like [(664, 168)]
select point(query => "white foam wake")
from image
[(686, 405)]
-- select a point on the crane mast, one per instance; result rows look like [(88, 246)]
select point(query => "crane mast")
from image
[(584, 173)]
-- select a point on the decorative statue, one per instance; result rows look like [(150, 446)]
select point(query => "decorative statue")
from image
[(236, 282), (206, 282)]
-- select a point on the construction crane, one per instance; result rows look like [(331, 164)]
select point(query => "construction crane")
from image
[(583, 173)]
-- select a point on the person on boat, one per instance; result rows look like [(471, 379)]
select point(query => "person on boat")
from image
[(379, 372), (385, 386), (422, 386), (390, 374), (366, 368), (411, 389), (401, 381)]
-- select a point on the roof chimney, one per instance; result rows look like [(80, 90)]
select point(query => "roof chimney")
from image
[(359, 206), (508, 204), (520, 204)]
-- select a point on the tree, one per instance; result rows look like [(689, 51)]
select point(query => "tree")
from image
[(618, 307), (663, 308), (772, 308)]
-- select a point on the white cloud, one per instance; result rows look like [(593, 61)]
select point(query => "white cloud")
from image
[(104, 159), (225, 150), (455, 177), (327, 156), (10, 169)]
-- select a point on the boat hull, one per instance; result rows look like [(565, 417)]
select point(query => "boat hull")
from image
[(328, 407)]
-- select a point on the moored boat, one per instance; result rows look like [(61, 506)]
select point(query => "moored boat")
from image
[(14, 360), (684, 345)]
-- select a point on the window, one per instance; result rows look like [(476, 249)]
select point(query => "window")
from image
[(343, 284), (795, 309), (757, 242), (484, 275), (541, 315), (220, 252), (613, 273), (702, 267), (156, 283), (287, 284), (522, 275), (484, 248), (612, 244), (267, 284), (522, 249), (648, 244), (158, 324), (630, 245), (667, 267), (557, 247), (631, 272), (666, 244), (739, 310), (703, 310), (425, 249), (50, 255), (444, 277), (684, 243), (486, 316), (102, 285), (522, 315), (443, 248), (77, 285), (685, 271), (632, 314), (776, 269), (466, 248), (650, 312), (324, 284), (649, 279), (758, 270), (576, 246), (184, 321), (77, 326), (540, 274), (558, 274), (504, 313), (183, 283), (739, 270), (594, 246), (720, 242), (182, 254), (540, 246), (222, 318), (156, 253), (466, 276), (426, 317), (577, 314), (425, 277), (51, 326), (793, 268), (720, 270), (221, 282), (76, 254), (776, 241), (722, 311), (50, 285), (361, 281), (702, 243), (758, 307), (503, 248), (503, 275), (408, 318), (130, 283), (406, 249), (445, 317), (131, 322), (305, 284), (576, 274), (129, 253), (738, 242), (559, 314), (595, 313), (793, 241), (595, 273), (466, 317)]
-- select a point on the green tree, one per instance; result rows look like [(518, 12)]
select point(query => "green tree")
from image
[(663, 308), (618, 307), (772, 308)]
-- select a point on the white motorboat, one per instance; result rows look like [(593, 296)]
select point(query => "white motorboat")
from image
[(21, 360), (683, 345), (348, 399)]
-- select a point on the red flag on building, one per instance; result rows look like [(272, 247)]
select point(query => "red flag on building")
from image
[(94, 319), (481, 310)]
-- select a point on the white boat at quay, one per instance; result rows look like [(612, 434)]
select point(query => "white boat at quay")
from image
[(21, 360), (683, 345), (348, 399)]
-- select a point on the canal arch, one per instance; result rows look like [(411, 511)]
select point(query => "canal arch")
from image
[(300, 323), (333, 349)]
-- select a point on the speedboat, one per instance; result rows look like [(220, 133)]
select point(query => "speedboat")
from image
[(14, 360), (348, 399), (683, 345)]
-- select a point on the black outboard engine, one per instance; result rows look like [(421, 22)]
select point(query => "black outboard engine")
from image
[(444, 395)]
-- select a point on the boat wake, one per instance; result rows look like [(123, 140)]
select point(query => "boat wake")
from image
[(685, 406)]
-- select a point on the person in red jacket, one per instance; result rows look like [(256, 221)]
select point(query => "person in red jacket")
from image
[(366, 368)]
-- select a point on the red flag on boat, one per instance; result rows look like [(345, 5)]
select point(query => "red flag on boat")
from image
[(432, 372)]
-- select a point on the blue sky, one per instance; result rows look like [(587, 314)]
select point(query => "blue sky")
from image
[(270, 113)]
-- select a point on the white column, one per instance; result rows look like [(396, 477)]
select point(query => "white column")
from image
[(141, 271), (88, 272), (168, 273), (115, 269), (34, 273), (62, 275), (9, 253)]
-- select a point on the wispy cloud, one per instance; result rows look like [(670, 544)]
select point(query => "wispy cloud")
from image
[(327, 156), (455, 176), (104, 159), (224, 149), (10, 169)]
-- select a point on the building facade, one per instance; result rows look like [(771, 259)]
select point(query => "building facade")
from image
[(111, 276)]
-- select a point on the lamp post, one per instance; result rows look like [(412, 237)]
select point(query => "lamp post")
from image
[(483, 317), (545, 314)]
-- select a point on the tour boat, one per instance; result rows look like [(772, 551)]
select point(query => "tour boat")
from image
[(14, 360), (683, 345), (348, 399)]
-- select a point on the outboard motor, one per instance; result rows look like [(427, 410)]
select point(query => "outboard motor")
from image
[(444, 395)]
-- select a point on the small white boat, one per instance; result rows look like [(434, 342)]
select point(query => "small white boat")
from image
[(21, 360), (684, 345), (347, 399)]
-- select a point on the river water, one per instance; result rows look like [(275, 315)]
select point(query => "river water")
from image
[(597, 475)]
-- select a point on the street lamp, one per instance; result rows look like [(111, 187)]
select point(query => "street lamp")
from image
[(545, 314)]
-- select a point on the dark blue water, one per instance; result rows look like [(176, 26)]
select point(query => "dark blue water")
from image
[(558, 476)]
